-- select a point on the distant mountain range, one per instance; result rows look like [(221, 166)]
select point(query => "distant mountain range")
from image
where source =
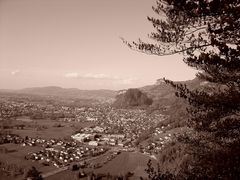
[(67, 92), (160, 92)]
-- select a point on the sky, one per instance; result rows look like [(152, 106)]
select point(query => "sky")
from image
[(76, 44)]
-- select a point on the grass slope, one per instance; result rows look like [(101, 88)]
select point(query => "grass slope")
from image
[(127, 162)]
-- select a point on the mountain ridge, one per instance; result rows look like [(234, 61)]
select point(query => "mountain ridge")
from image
[(101, 94), (158, 91)]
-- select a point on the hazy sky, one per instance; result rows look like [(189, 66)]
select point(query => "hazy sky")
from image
[(76, 43)]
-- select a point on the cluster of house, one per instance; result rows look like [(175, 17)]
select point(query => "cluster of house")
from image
[(131, 123), (63, 155), (56, 152), (92, 114), (29, 141), (15, 108), (10, 138), (119, 127), (9, 109), (159, 140)]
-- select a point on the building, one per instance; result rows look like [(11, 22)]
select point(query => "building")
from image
[(93, 143)]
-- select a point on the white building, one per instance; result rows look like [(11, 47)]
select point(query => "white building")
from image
[(81, 136), (93, 143)]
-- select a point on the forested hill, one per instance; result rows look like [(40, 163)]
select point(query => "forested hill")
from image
[(167, 103), (160, 90)]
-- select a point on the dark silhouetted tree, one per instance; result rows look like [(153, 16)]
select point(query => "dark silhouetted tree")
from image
[(207, 33), (158, 175), (34, 174)]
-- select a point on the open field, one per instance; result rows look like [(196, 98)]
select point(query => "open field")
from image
[(48, 133), (123, 163), (5, 177), (46, 128), (24, 119), (16, 156), (127, 162), (65, 175)]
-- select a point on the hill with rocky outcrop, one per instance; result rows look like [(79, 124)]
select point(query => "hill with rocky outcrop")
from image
[(159, 97), (132, 98)]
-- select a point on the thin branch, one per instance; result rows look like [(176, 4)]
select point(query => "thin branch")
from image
[(197, 29), (164, 54)]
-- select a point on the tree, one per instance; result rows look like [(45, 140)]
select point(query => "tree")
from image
[(152, 174), (34, 174), (207, 33)]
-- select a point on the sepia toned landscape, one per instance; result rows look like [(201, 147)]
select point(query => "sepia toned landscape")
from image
[(118, 90)]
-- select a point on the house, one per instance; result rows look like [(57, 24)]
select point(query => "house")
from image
[(93, 143)]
